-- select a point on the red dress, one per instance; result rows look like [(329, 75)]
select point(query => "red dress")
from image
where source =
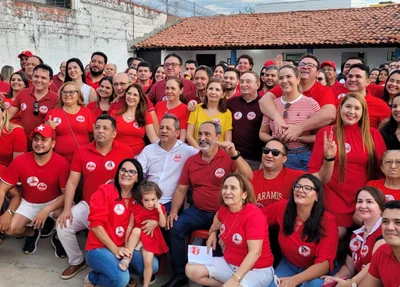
[(155, 244)]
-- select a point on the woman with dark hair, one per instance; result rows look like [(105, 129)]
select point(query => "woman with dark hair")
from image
[(382, 76), (110, 211), (159, 73), (134, 122), (308, 235), (391, 130), (373, 75), (75, 73), (213, 109), (219, 71), (370, 203), (105, 96), (132, 73), (18, 81), (392, 87)]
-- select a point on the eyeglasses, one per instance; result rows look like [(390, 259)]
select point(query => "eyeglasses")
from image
[(306, 188), (307, 65), (130, 172), (173, 65), (36, 108), (389, 163), (320, 79), (69, 93), (262, 74), (275, 152), (285, 111)]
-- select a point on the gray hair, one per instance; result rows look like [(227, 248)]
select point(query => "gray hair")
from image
[(389, 150), (177, 123), (218, 128)]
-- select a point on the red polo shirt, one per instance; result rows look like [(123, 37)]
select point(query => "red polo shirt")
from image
[(57, 82), (157, 91), (385, 266), (17, 118), (90, 82), (96, 168), (390, 194), (4, 87), (206, 178), (24, 101), (181, 112), (339, 89), (10, 142), (40, 184)]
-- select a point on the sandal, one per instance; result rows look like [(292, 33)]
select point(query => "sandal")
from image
[(124, 263), (132, 283)]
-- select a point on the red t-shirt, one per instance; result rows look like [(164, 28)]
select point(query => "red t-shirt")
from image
[(3, 168), (112, 214), (93, 106), (96, 168), (322, 94), (296, 250), (81, 124), (268, 191), (206, 178), (90, 82), (40, 184), (4, 87), (14, 141), (157, 91), (120, 103), (390, 194), (385, 266), (340, 197), (57, 82), (130, 133), (340, 91), (181, 112), (17, 118), (24, 101), (239, 227)]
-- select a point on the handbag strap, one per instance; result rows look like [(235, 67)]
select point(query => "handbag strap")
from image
[(70, 128)]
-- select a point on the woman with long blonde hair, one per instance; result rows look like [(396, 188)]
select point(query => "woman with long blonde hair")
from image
[(360, 150)]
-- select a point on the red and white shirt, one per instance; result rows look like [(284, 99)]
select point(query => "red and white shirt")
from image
[(390, 194)]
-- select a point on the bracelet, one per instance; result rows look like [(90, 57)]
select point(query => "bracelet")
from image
[(329, 159), (236, 156), (237, 277)]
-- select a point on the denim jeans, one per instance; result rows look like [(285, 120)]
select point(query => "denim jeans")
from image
[(106, 271), (298, 159), (287, 269)]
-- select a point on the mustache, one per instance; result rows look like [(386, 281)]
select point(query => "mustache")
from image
[(204, 141)]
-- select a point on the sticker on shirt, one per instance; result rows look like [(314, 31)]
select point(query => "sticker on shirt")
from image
[(304, 250), (251, 116), (90, 166), (222, 228), (355, 258), (217, 121), (164, 98), (355, 244), (136, 125), (237, 116), (220, 172), (119, 209), (237, 238), (42, 186), (32, 181), (57, 121), (364, 250), (80, 119), (120, 231), (348, 147), (177, 158), (110, 165), (43, 109), (195, 250), (23, 106), (389, 197), (7, 105), (341, 96)]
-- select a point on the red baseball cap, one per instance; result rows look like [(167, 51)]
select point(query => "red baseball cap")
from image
[(25, 53), (328, 63), (269, 63), (45, 131)]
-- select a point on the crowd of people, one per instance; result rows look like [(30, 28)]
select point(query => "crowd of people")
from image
[(293, 173)]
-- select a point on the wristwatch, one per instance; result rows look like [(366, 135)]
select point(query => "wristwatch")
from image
[(352, 283), (11, 212), (236, 156)]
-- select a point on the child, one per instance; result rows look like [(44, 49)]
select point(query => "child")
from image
[(147, 207)]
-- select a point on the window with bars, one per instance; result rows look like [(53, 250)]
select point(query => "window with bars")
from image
[(55, 3)]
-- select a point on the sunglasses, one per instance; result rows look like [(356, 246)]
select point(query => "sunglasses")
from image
[(36, 108), (285, 111), (320, 79), (275, 152), (262, 74)]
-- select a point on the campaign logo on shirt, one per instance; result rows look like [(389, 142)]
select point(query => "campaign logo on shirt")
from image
[(80, 119), (348, 147), (217, 121), (220, 172), (364, 250), (119, 209), (42, 186), (120, 231), (90, 166), (43, 109), (341, 96), (304, 250), (222, 228), (195, 250), (7, 105), (237, 116), (110, 165), (389, 197), (136, 125), (355, 258), (57, 121), (355, 244), (32, 181), (177, 158), (251, 116), (23, 106), (237, 238), (164, 98)]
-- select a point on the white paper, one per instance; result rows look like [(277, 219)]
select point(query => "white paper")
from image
[(198, 255)]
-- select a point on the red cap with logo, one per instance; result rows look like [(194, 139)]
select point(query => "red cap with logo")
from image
[(269, 63), (45, 131), (328, 63), (25, 53)]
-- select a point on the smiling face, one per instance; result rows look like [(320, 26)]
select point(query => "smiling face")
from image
[(306, 193), (105, 89), (308, 69), (172, 67), (366, 207), (383, 75), (271, 78), (219, 72), (120, 82), (17, 83), (74, 71), (31, 63), (248, 85), (271, 162), (288, 81), (41, 79), (42, 145), (373, 76), (132, 97), (132, 73), (391, 227), (215, 92), (69, 95), (393, 84), (172, 90), (126, 178), (396, 109), (201, 80), (97, 65), (208, 137), (110, 70), (160, 74), (351, 111), (244, 65), (231, 80)]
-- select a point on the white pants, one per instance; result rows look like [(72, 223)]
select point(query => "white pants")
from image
[(30, 210), (67, 236)]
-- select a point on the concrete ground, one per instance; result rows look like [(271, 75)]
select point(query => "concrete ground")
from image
[(42, 269)]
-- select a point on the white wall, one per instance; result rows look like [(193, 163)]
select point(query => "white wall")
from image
[(301, 5), (110, 26)]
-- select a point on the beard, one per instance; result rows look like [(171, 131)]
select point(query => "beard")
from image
[(96, 74), (42, 153)]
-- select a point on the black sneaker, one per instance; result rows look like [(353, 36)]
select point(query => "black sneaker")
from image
[(59, 251), (31, 243), (48, 228)]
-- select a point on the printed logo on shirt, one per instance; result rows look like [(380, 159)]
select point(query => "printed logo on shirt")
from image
[(119, 209), (364, 250), (136, 125), (90, 166), (222, 228), (348, 147), (195, 250), (23, 106), (237, 238), (304, 250), (119, 231), (42, 186), (251, 116), (177, 158), (341, 96), (237, 116), (110, 165), (389, 197), (57, 121), (164, 98), (220, 172), (355, 258), (217, 121), (80, 119), (43, 109), (355, 244), (32, 181), (7, 105), (275, 195)]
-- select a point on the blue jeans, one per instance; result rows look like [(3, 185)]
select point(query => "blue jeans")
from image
[(287, 269), (298, 158), (191, 219), (106, 271)]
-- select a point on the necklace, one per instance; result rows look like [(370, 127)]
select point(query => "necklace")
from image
[(233, 224), (129, 118)]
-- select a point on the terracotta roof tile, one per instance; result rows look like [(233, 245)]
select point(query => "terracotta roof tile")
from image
[(371, 25)]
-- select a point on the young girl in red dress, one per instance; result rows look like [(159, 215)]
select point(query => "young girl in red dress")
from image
[(147, 207)]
